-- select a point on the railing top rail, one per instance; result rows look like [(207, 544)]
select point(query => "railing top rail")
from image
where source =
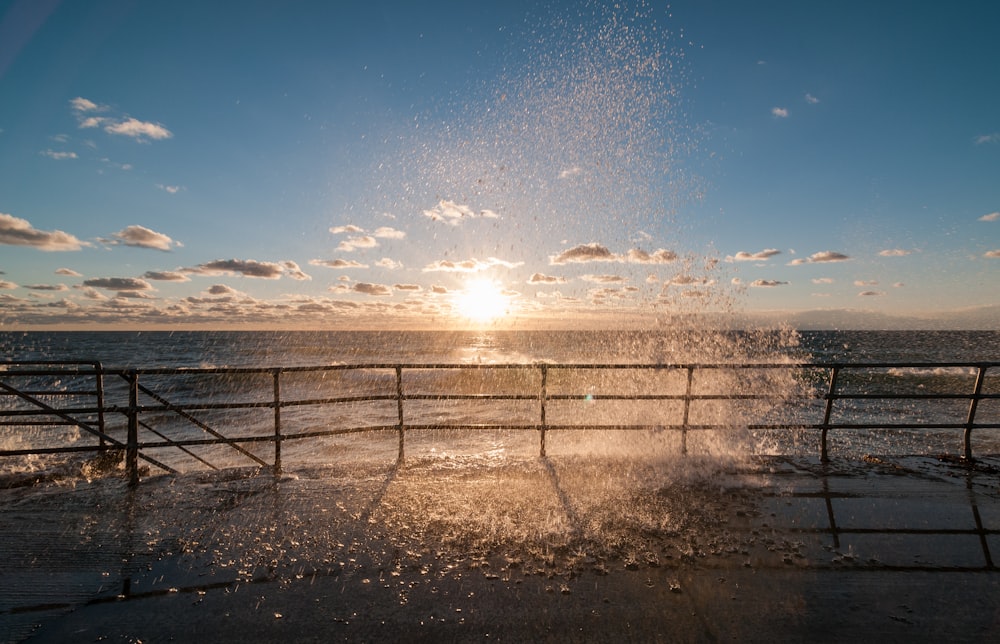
[(49, 363), (50, 367)]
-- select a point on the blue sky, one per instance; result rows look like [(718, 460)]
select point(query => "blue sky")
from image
[(360, 164)]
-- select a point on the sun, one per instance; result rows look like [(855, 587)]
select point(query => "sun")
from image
[(481, 300)]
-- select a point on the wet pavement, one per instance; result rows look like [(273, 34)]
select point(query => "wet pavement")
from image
[(774, 550)]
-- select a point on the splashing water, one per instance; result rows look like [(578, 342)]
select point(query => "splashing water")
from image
[(581, 139)]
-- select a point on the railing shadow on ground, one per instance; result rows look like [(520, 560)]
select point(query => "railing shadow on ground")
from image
[(903, 514), (840, 518)]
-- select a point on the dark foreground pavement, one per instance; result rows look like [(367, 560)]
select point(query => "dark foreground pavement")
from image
[(869, 551)]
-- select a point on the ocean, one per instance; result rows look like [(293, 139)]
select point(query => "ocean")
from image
[(149, 349)]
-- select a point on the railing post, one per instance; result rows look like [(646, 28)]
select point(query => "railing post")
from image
[(973, 405), (687, 410), (100, 403), (823, 455), (399, 411), (132, 441), (542, 395), (277, 422)]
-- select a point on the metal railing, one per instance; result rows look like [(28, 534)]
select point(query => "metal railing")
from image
[(821, 397)]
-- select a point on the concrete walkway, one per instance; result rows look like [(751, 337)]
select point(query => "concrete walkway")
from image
[(778, 550)]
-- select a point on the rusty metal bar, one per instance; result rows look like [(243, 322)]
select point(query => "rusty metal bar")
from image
[(825, 426), (542, 397), (168, 406), (399, 411), (172, 443), (973, 405), (100, 404), (687, 410), (132, 449), (277, 422)]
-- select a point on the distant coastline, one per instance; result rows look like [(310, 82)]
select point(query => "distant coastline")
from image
[(983, 318)]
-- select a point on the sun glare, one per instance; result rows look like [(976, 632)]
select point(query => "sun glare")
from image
[(481, 300)]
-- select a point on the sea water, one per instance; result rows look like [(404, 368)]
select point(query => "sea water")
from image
[(149, 349)]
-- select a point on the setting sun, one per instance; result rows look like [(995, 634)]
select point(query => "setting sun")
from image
[(481, 300)]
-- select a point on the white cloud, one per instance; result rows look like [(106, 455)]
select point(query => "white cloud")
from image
[(993, 216), (387, 232), (592, 252), (349, 228), (81, 104), (866, 282), (166, 276), (221, 289), (123, 126), (658, 256), (779, 112), (244, 267), (603, 279), (293, 271), (983, 139), (539, 278), (821, 257), (171, 189), (133, 295), (767, 283), (59, 156), (143, 237), (894, 252), (992, 254), (91, 122), (570, 172), (388, 263), (468, 266), (138, 130), (822, 280), (121, 166), (362, 239), (812, 100), (68, 272), (371, 289), (351, 244), (744, 256), (686, 280), (452, 213), (92, 293), (337, 263), (119, 284), (595, 252), (19, 232)]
